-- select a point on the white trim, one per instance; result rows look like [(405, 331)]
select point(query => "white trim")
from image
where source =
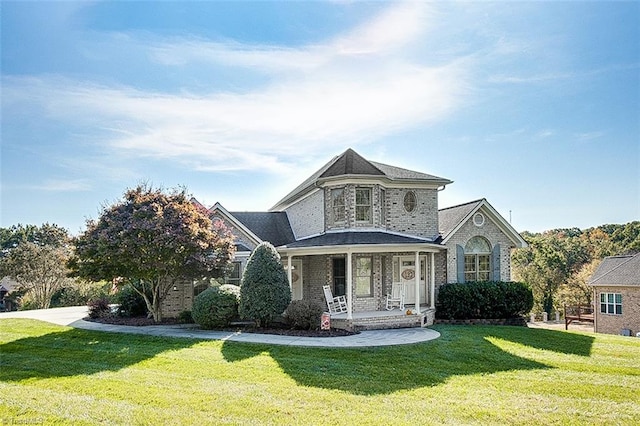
[(282, 207), (384, 181), (360, 248), (433, 281), (349, 286), (418, 271)]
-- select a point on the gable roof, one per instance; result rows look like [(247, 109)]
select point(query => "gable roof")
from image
[(8, 284), (352, 165), (451, 219), (618, 270), (268, 226)]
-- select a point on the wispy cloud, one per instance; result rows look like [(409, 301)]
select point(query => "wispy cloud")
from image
[(63, 185), (355, 88)]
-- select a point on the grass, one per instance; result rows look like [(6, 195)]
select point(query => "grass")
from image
[(471, 375)]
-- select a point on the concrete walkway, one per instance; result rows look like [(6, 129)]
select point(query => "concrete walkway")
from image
[(73, 317)]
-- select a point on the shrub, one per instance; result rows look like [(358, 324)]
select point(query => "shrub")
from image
[(99, 308), (265, 292), (214, 307), (304, 314), (131, 302), (185, 317), (483, 300)]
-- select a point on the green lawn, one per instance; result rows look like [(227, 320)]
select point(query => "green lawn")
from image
[(471, 375)]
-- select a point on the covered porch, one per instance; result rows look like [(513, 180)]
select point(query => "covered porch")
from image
[(369, 271), (377, 320)]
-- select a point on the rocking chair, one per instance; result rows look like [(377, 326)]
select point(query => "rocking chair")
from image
[(336, 304), (396, 298)]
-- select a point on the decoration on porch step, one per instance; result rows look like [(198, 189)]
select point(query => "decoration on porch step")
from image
[(409, 312), (325, 321)]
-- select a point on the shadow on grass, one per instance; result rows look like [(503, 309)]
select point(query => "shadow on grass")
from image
[(78, 352), (368, 371), (548, 340)]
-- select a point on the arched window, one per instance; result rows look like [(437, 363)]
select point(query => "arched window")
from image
[(477, 260)]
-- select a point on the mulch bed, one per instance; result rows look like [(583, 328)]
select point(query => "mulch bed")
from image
[(279, 329)]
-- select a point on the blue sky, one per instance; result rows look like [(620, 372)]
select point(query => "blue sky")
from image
[(532, 105)]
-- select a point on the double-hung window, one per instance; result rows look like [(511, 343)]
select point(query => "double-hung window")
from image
[(363, 205), (611, 303), (338, 205)]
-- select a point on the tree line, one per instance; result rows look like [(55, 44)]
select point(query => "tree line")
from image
[(152, 239), (558, 263)]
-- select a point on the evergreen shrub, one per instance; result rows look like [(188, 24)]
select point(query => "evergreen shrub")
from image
[(215, 307), (131, 303), (304, 314), (484, 300), (265, 292)]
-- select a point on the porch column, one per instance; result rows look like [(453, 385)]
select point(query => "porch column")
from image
[(433, 280), (417, 280), (289, 273), (349, 286)]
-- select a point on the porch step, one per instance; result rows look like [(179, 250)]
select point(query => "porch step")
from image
[(376, 322)]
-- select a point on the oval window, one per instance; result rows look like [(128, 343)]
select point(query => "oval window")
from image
[(410, 201), (478, 219)]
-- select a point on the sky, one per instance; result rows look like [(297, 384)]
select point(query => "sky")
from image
[(534, 106)]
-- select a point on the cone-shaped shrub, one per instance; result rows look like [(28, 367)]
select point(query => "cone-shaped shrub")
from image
[(265, 292)]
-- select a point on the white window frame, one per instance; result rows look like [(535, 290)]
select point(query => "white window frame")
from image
[(338, 194), (364, 207), (611, 303), (230, 278)]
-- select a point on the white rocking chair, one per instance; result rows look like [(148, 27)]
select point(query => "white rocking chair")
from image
[(336, 304), (396, 298)]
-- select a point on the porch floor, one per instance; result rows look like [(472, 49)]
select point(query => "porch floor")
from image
[(375, 320)]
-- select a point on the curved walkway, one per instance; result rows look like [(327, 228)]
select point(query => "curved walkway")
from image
[(73, 317)]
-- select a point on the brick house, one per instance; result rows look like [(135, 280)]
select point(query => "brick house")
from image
[(361, 226), (616, 295)]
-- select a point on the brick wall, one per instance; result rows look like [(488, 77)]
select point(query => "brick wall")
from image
[(306, 216), (492, 233), (422, 221), (178, 300), (630, 318)]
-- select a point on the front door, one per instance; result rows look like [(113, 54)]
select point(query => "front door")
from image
[(296, 278), (405, 273)]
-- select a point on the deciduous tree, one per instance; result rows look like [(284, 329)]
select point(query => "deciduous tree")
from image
[(156, 239), (36, 257)]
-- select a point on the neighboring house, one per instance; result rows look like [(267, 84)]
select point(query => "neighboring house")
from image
[(7, 286), (361, 226), (616, 295)]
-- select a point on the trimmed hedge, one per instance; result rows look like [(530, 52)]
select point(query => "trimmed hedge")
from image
[(215, 307), (304, 314), (495, 299)]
